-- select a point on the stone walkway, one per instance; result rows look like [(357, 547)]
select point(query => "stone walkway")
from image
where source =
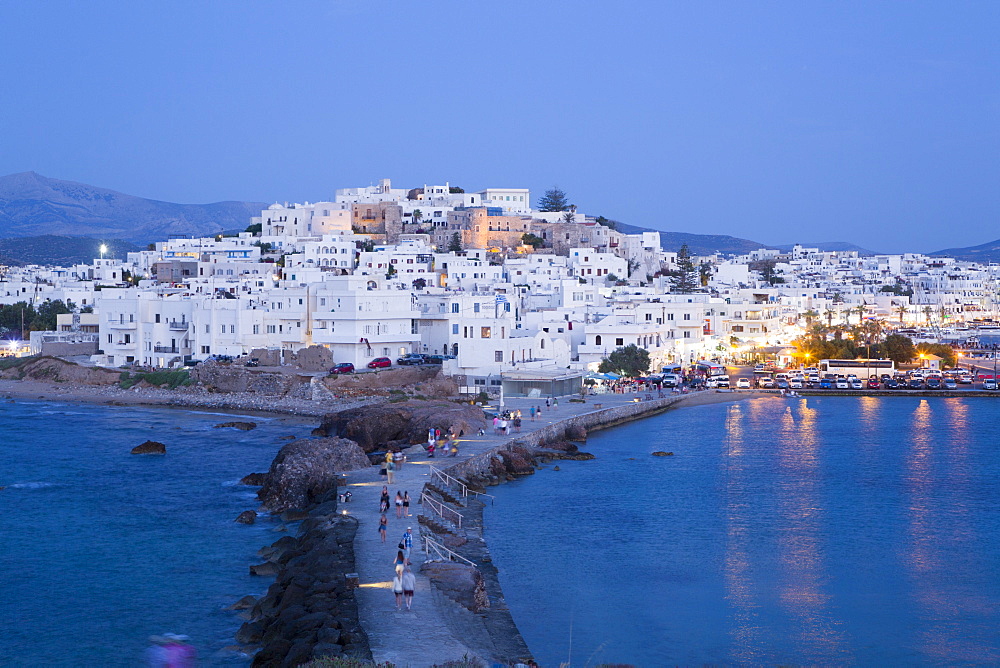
[(423, 636)]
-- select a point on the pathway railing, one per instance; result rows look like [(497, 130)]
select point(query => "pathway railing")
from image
[(442, 552), (439, 508), (451, 480)]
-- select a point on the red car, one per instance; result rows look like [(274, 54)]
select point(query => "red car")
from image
[(380, 363), (343, 367), (873, 383)]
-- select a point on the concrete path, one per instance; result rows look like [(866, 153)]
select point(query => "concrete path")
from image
[(422, 636)]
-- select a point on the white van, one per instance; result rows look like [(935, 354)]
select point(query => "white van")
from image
[(718, 382), (670, 380)]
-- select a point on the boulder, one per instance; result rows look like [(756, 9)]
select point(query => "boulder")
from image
[(459, 582), (372, 427), (253, 479), (244, 603), (660, 453), (267, 568), (247, 517), (243, 426), (150, 448), (576, 433), (306, 470)]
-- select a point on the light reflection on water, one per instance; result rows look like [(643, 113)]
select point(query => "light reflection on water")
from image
[(816, 531)]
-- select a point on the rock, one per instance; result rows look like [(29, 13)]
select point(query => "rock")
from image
[(243, 426), (407, 422), (247, 517), (660, 453), (150, 448), (452, 542), (304, 471), (555, 468), (250, 632), (253, 479), (244, 603), (517, 461), (294, 515), (460, 582), (576, 433), (267, 568)]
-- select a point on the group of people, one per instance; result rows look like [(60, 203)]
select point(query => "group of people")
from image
[(446, 442), (507, 420), (393, 462), (404, 581)]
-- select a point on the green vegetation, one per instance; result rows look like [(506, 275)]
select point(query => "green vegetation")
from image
[(42, 318), (13, 362), (554, 199), (456, 243), (455, 190), (256, 228), (604, 222), (766, 269), (685, 278), (630, 360), (529, 239), (867, 341), (172, 379)]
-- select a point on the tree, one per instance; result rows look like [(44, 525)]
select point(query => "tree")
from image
[(417, 215), (628, 361), (45, 316), (899, 348), (419, 283), (455, 190), (570, 215), (942, 350), (554, 199), (456, 243), (256, 228), (529, 239), (604, 222), (685, 278), (766, 269), (705, 273)]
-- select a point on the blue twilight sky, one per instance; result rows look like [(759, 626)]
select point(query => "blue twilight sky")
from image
[(869, 122)]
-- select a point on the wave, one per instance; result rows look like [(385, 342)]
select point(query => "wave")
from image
[(31, 485)]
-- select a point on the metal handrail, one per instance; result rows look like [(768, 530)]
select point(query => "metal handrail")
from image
[(443, 552), (449, 480), (439, 508)]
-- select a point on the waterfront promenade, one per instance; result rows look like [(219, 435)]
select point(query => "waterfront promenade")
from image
[(431, 633)]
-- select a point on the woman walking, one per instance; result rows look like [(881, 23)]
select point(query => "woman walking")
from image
[(409, 583), (399, 505), (390, 468), (400, 562), (406, 504), (397, 589), (383, 503), (383, 524)]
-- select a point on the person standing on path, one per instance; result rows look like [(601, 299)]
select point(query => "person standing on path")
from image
[(547, 402), (407, 542), (532, 411), (539, 411), (383, 503), (399, 505), (406, 504), (517, 425), (390, 468), (555, 403), (400, 562), (409, 583), (397, 589), (383, 525)]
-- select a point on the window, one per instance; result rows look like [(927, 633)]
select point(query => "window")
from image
[(207, 331), (485, 332), (597, 340), (498, 356), (619, 342), (454, 308), (256, 329), (687, 334), (454, 329), (475, 307), (232, 329), (687, 316), (649, 316), (204, 350), (670, 316), (157, 316)]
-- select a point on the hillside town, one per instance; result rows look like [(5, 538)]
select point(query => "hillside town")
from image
[(482, 283)]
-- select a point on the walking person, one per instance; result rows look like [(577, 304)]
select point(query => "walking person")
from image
[(400, 561), (547, 402), (397, 589), (409, 583), (383, 502), (383, 525), (532, 411), (538, 410), (399, 505), (555, 403), (390, 469), (517, 425), (406, 504), (407, 543)]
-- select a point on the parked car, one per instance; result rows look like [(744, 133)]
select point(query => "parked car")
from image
[(253, 361), (767, 383), (795, 383), (842, 384), (989, 383), (411, 358), (933, 383), (743, 384), (891, 384), (783, 384), (856, 384), (916, 384), (380, 363), (826, 384), (434, 359), (873, 383), (965, 379), (950, 384), (342, 368)]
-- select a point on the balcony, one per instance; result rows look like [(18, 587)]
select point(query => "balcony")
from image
[(166, 349), (179, 325), (121, 325)]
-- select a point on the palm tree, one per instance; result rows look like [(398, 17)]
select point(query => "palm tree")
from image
[(927, 314), (901, 309), (828, 314), (809, 316), (861, 308), (417, 215)]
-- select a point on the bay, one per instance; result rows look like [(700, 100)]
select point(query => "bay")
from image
[(102, 548), (811, 531)]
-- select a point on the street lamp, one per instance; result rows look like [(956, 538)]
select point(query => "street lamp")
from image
[(103, 249)]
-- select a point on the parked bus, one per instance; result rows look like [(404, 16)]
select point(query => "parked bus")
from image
[(862, 368), (710, 369)]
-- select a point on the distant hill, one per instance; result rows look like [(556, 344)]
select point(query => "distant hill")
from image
[(829, 246), (985, 253), (698, 244), (60, 251), (33, 205)]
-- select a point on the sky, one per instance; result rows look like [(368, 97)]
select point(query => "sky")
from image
[(874, 123)]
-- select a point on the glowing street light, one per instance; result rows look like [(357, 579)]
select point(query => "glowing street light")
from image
[(103, 249)]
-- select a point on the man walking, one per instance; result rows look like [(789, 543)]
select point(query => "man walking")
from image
[(407, 542), (409, 583)]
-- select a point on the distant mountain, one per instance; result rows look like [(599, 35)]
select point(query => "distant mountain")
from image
[(698, 244), (829, 246), (988, 252), (60, 251), (32, 205)]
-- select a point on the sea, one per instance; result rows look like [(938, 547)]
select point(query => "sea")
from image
[(101, 548), (812, 531)]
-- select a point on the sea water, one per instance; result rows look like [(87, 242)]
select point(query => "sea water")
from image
[(101, 548), (809, 531)]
